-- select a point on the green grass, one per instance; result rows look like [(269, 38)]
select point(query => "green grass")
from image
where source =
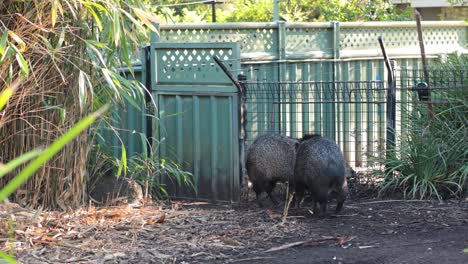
[(432, 160)]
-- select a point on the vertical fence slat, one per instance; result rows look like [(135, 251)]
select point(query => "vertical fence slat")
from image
[(346, 113), (358, 114), (370, 115), (305, 94)]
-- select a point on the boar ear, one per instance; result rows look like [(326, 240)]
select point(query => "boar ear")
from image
[(297, 145)]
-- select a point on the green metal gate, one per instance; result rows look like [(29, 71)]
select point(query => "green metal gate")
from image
[(198, 116)]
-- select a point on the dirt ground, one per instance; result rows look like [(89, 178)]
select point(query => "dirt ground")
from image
[(367, 231)]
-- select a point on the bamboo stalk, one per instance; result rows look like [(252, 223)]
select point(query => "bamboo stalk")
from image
[(32, 117)]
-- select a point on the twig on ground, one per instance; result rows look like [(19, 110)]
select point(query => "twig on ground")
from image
[(364, 247), (289, 198), (391, 201), (248, 259), (74, 260), (345, 215), (40, 258), (341, 240), (80, 247)]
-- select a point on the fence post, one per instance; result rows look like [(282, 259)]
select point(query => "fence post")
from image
[(391, 113), (243, 127), (275, 10), (150, 105), (281, 40), (155, 35), (282, 111), (242, 134), (336, 40), (151, 68), (391, 104), (334, 115)]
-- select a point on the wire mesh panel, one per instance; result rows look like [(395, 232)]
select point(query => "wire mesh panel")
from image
[(448, 87), (351, 113)]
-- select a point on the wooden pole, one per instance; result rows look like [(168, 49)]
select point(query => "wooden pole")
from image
[(213, 11), (424, 62), (391, 107)]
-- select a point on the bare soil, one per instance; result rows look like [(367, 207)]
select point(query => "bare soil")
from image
[(367, 231)]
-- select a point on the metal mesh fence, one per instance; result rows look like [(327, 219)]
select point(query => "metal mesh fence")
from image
[(448, 93), (352, 113)]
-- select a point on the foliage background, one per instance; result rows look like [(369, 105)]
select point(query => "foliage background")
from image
[(173, 11)]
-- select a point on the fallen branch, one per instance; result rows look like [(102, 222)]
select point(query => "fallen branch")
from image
[(289, 198), (340, 240), (248, 259), (365, 247), (40, 258), (74, 260), (350, 215), (392, 201)]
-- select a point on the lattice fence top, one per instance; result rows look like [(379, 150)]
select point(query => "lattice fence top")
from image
[(193, 62), (436, 38), (314, 42), (321, 40), (252, 40)]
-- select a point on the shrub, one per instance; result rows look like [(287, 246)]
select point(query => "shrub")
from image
[(433, 158)]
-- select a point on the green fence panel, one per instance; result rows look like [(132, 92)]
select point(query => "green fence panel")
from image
[(198, 117), (128, 121)]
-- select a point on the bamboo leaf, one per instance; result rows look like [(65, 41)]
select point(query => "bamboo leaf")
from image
[(100, 7), (119, 170), (9, 259), (96, 44), (48, 153), (126, 53), (5, 96), (82, 83), (124, 159), (22, 63), (93, 48), (8, 92), (18, 40), (95, 16), (144, 145), (63, 115), (54, 12), (117, 29), (134, 21), (4, 169), (146, 18), (3, 42), (61, 39), (109, 80), (46, 42), (59, 7), (5, 54)]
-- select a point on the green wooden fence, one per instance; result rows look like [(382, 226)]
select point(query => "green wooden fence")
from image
[(330, 56), (330, 52)]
